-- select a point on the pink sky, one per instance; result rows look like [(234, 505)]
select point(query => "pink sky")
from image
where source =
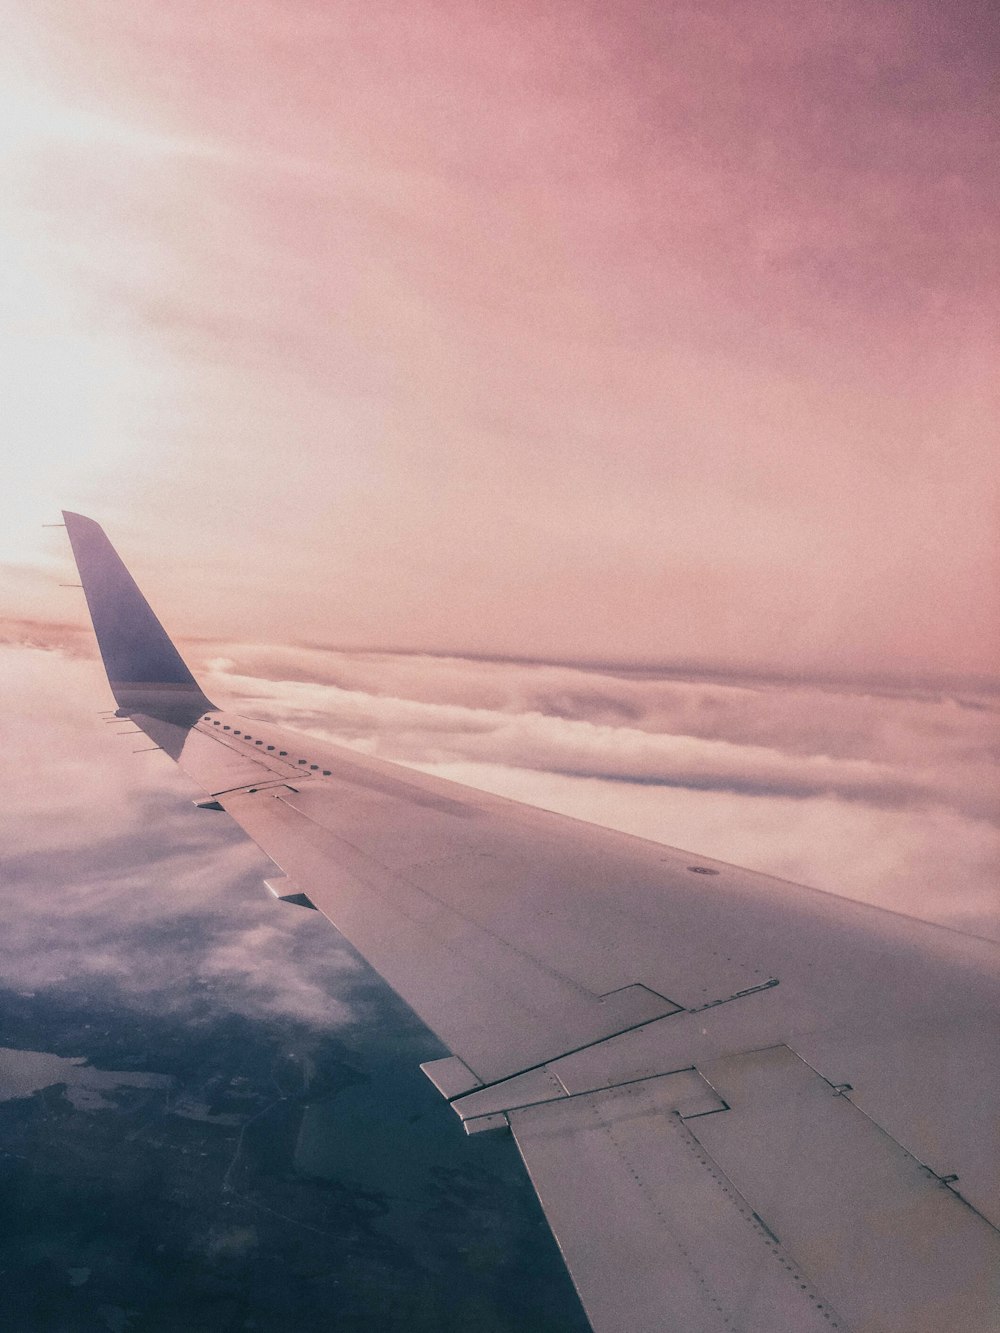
[(660, 332), (636, 332)]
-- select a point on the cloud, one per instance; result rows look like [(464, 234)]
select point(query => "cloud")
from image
[(71, 774), (112, 878), (878, 793), (171, 915), (885, 795), (629, 332), (48, 635), (755, 738)]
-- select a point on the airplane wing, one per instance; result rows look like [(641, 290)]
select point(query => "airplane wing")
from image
[(745, 1105)]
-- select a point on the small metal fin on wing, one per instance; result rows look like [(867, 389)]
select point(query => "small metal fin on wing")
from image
[(286, 892)]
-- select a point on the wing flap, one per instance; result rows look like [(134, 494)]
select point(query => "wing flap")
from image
[(888, 1241), (786, 1211), (653, 1234)]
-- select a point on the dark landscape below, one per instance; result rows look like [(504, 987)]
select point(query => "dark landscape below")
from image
[(242, 1175)]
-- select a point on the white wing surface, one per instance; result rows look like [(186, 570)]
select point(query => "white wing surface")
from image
[(745, 1105)]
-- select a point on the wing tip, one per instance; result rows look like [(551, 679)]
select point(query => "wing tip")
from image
[(145, 671)]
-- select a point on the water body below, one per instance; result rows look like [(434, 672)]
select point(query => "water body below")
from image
[(25, 1072)]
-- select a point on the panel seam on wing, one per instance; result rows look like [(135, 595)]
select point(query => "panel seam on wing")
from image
[(771, 1241)]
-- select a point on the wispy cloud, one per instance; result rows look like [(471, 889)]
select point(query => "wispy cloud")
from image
[(885, 795), (112, 879), (163, 915), (665, 331), (804, 740)]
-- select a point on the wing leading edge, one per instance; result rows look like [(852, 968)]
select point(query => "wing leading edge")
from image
[(744, 1104)]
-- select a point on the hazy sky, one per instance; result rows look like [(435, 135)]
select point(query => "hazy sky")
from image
[(531, 335), (651, 331)]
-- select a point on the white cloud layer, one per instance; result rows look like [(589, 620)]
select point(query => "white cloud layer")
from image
[(112, 878), (887, 796)]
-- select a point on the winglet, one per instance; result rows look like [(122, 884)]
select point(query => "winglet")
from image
[(145, 671)]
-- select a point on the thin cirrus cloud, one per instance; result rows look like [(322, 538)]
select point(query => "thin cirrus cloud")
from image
[(654, 334)]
